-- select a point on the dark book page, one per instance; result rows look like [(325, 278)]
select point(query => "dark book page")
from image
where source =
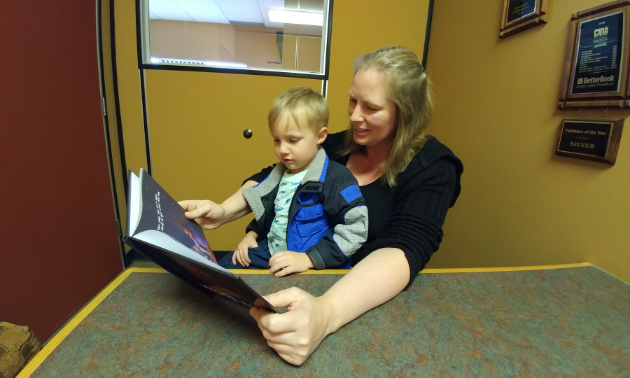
[(160, 212), (177, 244)]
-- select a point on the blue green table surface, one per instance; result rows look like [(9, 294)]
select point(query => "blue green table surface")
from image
[(572, 322)]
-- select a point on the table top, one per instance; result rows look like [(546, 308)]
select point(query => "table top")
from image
[(497, 322)]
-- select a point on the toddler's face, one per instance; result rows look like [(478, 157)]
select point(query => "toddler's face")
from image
[(296, 143)]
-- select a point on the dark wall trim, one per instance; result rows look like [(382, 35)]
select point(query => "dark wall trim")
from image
[(145, 121), (427, 36), (121, 141), (143, 88), (331, 5), (108, 142), (233, 71), (139, 34)]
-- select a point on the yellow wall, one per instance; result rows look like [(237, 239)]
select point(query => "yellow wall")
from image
[(196, 119), (496, 109), (252, 45), (129, 85), (256, 49), (196, 123), (360, 27)]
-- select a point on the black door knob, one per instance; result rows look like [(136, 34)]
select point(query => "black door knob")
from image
[(247, 133)]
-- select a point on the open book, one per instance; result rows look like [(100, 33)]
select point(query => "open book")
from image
[(158, 228)]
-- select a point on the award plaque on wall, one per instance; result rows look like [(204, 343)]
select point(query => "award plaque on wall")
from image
[(596, 63), (519, 15), (590, 138)]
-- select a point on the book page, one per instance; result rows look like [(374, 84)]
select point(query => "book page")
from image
[(163, 241), (160, 212), (135, 203)]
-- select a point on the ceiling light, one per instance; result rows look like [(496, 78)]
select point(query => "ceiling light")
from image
[(295, 17), (215, 63)]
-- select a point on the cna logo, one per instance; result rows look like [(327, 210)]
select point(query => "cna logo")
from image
[(601, 32)]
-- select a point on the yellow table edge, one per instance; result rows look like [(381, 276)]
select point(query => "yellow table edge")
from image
[(78, 318)]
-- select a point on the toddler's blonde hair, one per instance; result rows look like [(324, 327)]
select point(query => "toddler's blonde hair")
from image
[(300, 100)]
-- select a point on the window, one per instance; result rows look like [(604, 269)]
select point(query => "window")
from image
[(275, 37)]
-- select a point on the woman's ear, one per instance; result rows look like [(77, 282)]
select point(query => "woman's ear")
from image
[(321, 135)]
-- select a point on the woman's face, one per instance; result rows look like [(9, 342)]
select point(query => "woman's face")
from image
[(372, 112)]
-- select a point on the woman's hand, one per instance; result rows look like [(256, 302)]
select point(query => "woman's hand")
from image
[(296, 333), (207, 214), (288, 262), (241, 253)]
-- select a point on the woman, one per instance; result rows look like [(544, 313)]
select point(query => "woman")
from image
[(408, 179)]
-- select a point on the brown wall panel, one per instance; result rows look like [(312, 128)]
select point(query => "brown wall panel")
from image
[(203, 40), (257, 49), (58, 244), (228, 35), (309, 52), (224, 55), (189, 40), (168, 39)]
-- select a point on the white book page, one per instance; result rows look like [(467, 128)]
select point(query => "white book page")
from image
[(135, 203), (161, 240)]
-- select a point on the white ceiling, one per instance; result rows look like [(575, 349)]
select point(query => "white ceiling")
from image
[(223, 11)]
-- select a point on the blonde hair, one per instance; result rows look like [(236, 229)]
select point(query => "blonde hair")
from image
[(410, 90), (300, 99)]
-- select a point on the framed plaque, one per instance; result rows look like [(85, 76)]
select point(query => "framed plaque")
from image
[(590, 138), (519, 15), (596, 64)]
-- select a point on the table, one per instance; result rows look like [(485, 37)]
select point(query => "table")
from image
[(541, 321)]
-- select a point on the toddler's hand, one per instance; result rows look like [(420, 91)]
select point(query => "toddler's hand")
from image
[(287, 262), (241, 253), (209, 215)]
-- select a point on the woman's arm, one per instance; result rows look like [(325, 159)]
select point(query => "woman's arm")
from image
[(295, 334), (210, 215), (404, 246), (415, 225), (372, 282)]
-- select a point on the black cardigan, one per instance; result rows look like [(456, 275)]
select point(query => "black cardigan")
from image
[(415, 208)]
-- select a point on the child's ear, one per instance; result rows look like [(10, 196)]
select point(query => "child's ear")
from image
[(321, 135)]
